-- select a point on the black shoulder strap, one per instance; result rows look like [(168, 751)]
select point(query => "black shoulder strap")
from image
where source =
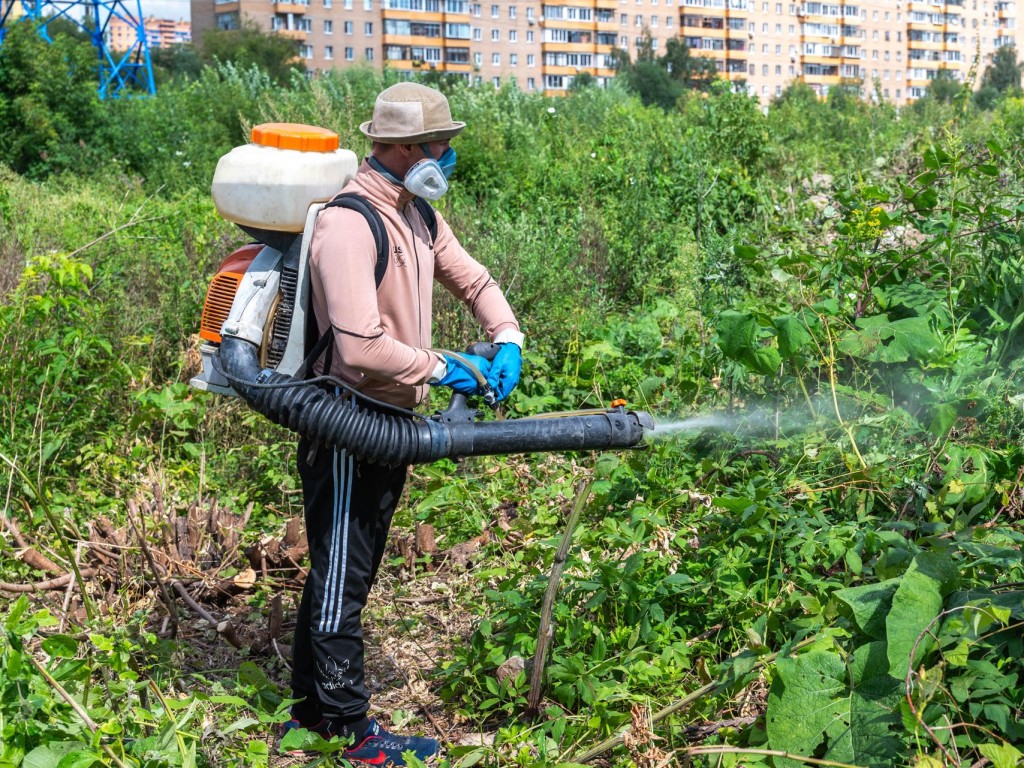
[(360, 204), (429, 216)]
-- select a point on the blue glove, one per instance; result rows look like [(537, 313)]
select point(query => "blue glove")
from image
[(459, 377), (505, 370)]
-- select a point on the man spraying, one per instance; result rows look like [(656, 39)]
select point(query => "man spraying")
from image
[(380, 317)]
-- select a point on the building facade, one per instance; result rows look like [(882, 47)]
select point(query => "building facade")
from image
[(889, 49), (160, 33)]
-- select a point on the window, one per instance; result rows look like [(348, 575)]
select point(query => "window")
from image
[(529, 13), (778, 50), (639, 20), (764, 70), (227, 20), (367, 5), (327, 3), (306, 51), (531, 60), (669, 21), (328, 27), (496, 82), (511, 11), (792, 29), (778, 69), (496, 59), (494, 11), (513, 59), (531, 84), (329, 52), (654, 21), (513, 36), (478, 34), (369, 54), (623, 19), (348, 5), (476, 10), (529, 35), (752, 69), (368, 28), (349, 53), (478, 58), (348, 27)]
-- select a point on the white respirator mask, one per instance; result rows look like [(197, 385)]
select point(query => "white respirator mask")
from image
[(429, 177)]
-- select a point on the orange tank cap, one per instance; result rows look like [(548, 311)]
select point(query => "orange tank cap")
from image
[(305, 138), (618, 403)]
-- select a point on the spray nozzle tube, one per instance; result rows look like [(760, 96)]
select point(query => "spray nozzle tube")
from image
[(397, 438)]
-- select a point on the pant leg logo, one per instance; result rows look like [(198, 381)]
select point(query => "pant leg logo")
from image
[(332, 675)]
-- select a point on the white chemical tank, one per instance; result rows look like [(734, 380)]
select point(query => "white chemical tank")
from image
[(270, 183)]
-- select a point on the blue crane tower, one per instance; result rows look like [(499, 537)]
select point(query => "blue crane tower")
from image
[(120, 72)]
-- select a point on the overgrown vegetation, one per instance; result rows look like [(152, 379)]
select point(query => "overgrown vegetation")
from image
[(823, 564)]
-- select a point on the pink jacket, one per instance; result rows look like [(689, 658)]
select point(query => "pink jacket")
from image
[(381, 335)]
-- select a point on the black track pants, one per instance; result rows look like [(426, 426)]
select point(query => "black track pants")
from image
[(349, 505)]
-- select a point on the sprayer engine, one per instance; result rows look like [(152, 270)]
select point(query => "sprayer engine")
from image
[(255, 318)]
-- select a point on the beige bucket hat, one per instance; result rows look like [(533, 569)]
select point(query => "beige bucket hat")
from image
[(410, 113)]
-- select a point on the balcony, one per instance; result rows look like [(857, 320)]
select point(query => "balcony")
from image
[(291, 34), (295, 8)]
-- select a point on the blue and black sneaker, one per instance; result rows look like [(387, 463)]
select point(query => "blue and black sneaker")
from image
[(380, 748)]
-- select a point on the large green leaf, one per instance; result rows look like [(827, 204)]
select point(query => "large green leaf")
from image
[(816, 703), (738, 338), (868, 605), (792, 334), (880, 339), (916, 603)]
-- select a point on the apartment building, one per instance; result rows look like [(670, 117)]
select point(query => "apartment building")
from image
[(160, 33), (891, 49)]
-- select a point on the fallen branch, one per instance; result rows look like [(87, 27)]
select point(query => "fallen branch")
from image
[(42, 586), (89, 723), (544, 631), (224, 628), (172, 609)]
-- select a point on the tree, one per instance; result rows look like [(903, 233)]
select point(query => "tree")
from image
[(1003, 74), (582, 80), (945, 87), (693, 71), (249, 46), (662, 80), (49, 106), (176, 62)]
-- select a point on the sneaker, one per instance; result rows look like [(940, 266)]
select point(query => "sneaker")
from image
[(380, 748)]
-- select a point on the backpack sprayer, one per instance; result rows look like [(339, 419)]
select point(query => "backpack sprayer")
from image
[(256, 314)]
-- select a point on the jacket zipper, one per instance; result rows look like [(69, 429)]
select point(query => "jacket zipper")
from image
[(416, 256)]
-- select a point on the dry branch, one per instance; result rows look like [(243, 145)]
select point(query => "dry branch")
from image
[(224, 628), (544, 631), (42, 586)]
